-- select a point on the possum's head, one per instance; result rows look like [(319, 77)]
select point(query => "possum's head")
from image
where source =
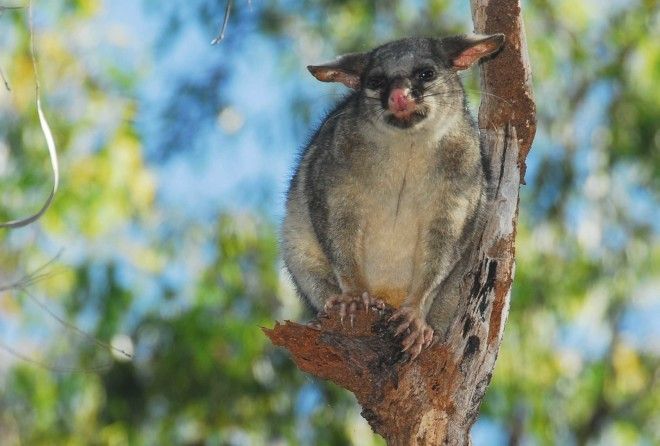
[(410, 81)]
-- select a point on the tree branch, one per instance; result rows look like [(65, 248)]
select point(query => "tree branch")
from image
[(435, 399), (508, 75)]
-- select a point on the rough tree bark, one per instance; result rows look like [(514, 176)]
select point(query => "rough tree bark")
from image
[(435, 399)]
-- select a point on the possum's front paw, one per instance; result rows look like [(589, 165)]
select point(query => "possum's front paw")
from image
[(349, 305), (419, 334)]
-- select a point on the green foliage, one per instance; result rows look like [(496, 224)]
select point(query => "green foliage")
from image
[(579, 361)]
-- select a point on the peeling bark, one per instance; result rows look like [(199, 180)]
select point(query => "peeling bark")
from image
[(436, 398), (507, 78)]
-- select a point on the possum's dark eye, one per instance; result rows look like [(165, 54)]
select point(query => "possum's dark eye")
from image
[(375, 82), (426, 75)]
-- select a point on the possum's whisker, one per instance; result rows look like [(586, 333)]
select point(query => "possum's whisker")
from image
[(450, 93)]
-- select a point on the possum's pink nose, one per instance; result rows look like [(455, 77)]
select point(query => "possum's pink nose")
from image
[(400, 103)]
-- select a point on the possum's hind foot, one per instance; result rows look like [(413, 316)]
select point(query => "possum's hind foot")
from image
[(418, 334)]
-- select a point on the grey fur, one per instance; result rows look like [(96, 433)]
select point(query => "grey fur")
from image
[(391, 206)]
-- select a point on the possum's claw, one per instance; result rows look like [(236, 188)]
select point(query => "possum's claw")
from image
[(342, 312), (365, 301)]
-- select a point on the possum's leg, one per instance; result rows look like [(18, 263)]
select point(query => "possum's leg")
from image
[(343, 238), (422, 333), (308, 265), (315, 278), (440, 246)]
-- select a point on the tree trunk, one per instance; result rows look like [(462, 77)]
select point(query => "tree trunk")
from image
[(435, 399)]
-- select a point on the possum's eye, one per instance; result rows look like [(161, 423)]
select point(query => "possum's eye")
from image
[(426, 75), (375, 82)]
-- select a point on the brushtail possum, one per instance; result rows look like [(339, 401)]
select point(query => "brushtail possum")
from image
[(390, 194)]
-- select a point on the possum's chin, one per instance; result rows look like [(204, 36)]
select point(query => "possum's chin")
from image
[(407, 122)]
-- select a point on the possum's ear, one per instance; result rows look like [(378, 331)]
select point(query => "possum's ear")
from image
[(346, 69), (463, 51)]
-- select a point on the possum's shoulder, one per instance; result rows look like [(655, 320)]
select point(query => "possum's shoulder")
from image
[(321, 139)]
